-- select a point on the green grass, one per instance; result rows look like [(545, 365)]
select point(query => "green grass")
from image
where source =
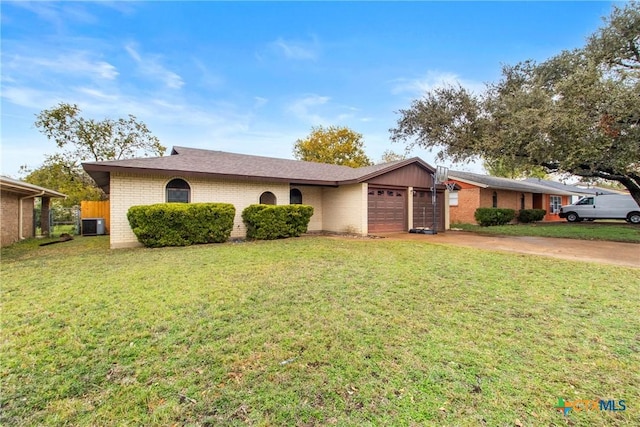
[(616, 232), (312, 331)]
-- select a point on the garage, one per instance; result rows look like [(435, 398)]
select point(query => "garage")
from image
[(423, 209), (387, 210)]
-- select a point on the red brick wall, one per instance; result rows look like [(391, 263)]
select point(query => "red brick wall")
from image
[(10, 219), (468, 202), (471, 198), (546, 205), (506, 199)]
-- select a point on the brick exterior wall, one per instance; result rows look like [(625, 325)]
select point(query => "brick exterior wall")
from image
[(132, 189), (546, 205), (344, 209), (468, 202), (506, 199), (312, 196), (10, 218), (335, 209), (471, 198)]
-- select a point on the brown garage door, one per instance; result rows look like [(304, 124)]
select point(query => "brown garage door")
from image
[(387, 210), (423, 210)]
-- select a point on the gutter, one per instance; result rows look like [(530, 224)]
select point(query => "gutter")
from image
[(20, 213)]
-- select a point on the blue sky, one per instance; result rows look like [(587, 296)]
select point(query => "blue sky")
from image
[(255, 77)]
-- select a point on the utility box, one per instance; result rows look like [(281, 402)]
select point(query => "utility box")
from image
[(93, 226)]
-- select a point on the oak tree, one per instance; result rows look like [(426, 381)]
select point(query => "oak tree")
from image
[(578, 112)]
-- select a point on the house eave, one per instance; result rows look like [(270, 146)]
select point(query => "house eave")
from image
[(101, 175)]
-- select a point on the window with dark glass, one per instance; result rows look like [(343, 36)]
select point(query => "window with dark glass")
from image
[(295, 196), (178, 191), (267, 198), (495, 199)]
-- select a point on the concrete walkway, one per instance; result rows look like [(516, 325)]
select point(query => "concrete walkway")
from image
[(616, 253)]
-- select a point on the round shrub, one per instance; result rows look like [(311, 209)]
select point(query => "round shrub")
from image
[(531, 215), (181, 224), (494, 216), (268, 222)]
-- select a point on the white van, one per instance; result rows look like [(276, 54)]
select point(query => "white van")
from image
[(604, 206)]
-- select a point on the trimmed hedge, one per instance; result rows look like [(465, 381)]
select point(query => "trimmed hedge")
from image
[(531, 215), (494, 216), (268, 222), (181, 224)]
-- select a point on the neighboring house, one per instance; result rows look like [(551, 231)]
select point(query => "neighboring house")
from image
[(389, 197), (484, 191), (577, 192), (17, 209)]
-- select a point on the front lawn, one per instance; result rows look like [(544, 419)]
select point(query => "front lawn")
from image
[(312, 331), (615, 232)]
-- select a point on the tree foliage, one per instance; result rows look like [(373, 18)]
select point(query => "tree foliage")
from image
[(68, 179), (337, 145), (91, 140), (578, 112), (391, 156), (499, 167), (86, 140)]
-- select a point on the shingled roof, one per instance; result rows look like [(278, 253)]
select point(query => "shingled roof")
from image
[(27, 189), (498, 183), (219, 164), (573, 189)]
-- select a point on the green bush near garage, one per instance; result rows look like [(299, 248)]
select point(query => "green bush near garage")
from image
[(181, 224), (531, 215), (487, 217), (269, 222)]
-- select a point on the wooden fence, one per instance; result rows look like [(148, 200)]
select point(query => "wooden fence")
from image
[(96, 209)]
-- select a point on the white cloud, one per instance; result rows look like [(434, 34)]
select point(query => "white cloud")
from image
[(78, 63), (298, 50), (301, 108), (29, 97), (151, 67), (59, 14), (432, 80)]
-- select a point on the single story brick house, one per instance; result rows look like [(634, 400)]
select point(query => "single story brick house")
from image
[(388, 197), (17, 209), (484, 191)]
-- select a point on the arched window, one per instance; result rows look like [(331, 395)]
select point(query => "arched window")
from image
[(295, 197), (178, 191), (495, 199), (521, 201), (267, 198)]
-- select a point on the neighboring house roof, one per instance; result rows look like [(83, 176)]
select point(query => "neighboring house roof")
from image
[(209, 163), (573, 189), (26, 189), (498, 183)]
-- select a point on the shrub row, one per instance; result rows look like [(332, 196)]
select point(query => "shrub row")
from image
[(494, 216), (181, 224), (531, 215), (268, 222)]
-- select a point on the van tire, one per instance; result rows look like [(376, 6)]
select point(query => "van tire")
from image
[(573, 217), (634, 217)]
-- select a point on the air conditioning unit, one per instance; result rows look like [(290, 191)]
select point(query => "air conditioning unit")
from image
[(93, 226)]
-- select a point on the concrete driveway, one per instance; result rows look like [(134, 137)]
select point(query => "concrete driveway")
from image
[(626, 254)]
